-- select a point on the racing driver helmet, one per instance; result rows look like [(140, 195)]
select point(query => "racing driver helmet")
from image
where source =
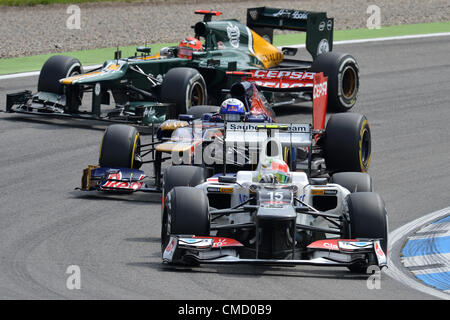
[(232, 109), (187, 46), (273, 170)]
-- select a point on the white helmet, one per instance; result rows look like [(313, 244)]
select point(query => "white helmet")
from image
[(232, 109)]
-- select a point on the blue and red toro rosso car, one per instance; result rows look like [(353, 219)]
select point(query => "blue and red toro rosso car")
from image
[(197, 138)]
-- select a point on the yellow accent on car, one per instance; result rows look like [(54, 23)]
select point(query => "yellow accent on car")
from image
[(113, 67), (101, 146), (134, 150), (361, 136), (317, 192), (69, 80), (156, 56), (269, 55), (173, 124), (226, 190), (86, 183), (173, 147), (272, 126)]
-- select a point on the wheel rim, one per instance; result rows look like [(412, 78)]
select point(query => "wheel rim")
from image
[(365, 149), (349, 82), (196, 95), (165, 231)]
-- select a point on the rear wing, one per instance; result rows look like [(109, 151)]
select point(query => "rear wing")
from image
[(318, 27), (292, 81)]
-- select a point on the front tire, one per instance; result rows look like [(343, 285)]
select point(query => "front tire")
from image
[(59, 67), (186, 212), (367, 219), (120, 147)]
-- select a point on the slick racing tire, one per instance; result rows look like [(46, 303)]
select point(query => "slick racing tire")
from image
[(182, 176), (199, 111), (343, 79), (353, 181), (367, 220), (347, 143), (185, 212), (184, 87), (120, 147), (59, 67)]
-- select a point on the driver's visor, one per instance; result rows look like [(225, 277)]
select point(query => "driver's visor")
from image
[(185, 52)]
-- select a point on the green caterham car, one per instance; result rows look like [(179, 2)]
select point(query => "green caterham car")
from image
[(149, 88)]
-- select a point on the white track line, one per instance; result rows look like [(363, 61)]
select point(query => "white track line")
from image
[(416, 261), (36, 73), (397, 238), (433, 230), (414, 36), (430, 271)]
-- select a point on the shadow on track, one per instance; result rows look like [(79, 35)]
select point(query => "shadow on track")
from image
[(252, 271), (249, 271), (58, 123), (138, 198)]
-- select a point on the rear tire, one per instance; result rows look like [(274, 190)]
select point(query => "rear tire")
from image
[(289, 156), (347, 144), (186, 212), (353, 181), (120, 147), (368, 219), (343, 79), (185, 87)]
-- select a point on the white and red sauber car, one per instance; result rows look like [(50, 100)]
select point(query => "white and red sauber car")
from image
[(307, 221)]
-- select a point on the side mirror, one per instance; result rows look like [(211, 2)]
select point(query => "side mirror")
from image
[(145, 50), (318, 181), (227, 179)]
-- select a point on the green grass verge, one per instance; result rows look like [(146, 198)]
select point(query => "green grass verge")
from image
[(98, 56), (87, 57)]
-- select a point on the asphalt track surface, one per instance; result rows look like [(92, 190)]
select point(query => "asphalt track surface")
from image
[(45, 226)]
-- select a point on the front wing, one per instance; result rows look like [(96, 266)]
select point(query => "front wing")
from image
[(328, 252)]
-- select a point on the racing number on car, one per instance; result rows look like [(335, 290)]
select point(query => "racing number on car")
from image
[(275, 196)]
